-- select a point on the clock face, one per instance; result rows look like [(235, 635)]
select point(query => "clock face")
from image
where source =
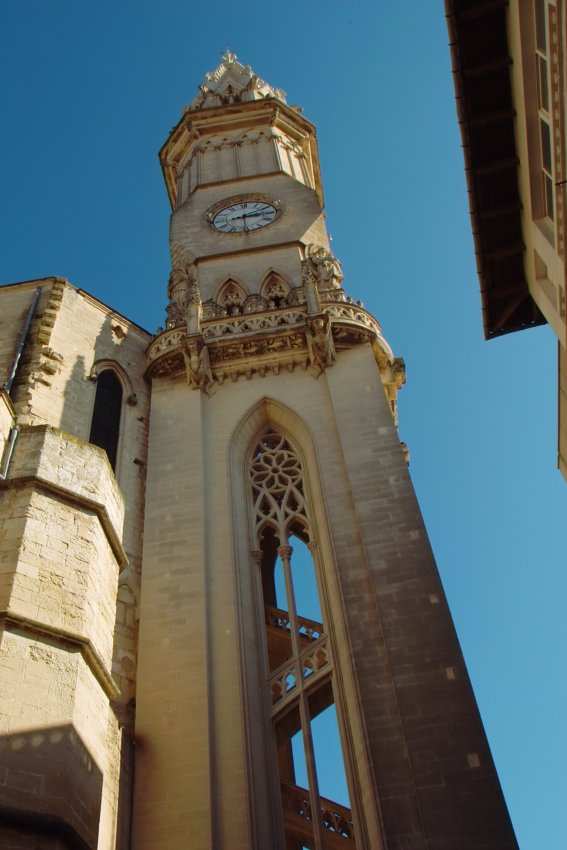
[(244, 216)]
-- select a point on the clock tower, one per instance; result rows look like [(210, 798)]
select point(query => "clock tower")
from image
[(287, 579)]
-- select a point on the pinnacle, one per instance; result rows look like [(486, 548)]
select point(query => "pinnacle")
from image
[(232, 82)]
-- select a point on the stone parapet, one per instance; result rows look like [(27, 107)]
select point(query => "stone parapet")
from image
[(256, 343)]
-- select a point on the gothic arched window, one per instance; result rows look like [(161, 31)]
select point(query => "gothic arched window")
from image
[(275, 290), (300, 664), (105, 425), (231, 298)]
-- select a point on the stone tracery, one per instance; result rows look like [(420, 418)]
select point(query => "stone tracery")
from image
[(231, 298), (277, 484), (275, 291), (299, 652)]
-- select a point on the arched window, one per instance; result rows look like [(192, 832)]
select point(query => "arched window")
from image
[(316, 813), (105, 425), (275, 290), (231, 298)]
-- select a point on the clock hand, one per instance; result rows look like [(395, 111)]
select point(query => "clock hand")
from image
[(256, 212)]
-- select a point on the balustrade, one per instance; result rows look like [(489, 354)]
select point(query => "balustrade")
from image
[(336, 820), (276, 618)]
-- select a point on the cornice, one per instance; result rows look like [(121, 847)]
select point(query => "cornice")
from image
[(14, 621)]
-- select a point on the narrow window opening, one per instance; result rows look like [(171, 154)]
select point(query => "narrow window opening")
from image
[(105, 425), (305, 581), (328, 756), (543, 97), (312, 774)]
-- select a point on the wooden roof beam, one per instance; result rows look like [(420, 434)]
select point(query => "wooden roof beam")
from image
[(505, 251), (509, 311), (501, 292), (493, 118), (498, 165), (502, 210), (487, 67), (482, 9)]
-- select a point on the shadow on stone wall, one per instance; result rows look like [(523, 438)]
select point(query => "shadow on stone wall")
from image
[(75, 415), (50, 791)]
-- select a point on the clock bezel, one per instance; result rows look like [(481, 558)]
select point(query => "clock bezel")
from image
[(241, 199)]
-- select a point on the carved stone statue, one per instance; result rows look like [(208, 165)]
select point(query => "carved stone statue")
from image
[(197, 363), (177, 291), (311, 293), (194, 307), (320, 342), (184, 296), (325, 267)]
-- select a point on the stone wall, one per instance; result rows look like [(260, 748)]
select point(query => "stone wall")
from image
[(72, 338), (405, 704), (70, 552)]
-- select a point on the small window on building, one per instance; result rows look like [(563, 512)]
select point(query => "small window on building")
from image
[(545, 134), (105, 427)]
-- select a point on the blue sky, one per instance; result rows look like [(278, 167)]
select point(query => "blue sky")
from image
[(90, 93)]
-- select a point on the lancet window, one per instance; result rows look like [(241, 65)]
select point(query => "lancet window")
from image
[(316, 814), (105, 424)]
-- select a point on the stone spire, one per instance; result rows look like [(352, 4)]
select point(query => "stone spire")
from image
[(232, 82)]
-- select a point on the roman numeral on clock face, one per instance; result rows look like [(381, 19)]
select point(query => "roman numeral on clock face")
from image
[(244, 217)]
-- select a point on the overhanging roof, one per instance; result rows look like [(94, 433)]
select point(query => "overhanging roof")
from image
[(481, 71)]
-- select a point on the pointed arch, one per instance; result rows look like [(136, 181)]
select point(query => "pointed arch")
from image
[(107, 414), (102, 365), (113, 389), (276, 479), (275, 289), (261, 774), (231, 297), (282, 726), (299, 675)]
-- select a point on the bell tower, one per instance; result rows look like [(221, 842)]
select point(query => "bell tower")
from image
[(287, 574)]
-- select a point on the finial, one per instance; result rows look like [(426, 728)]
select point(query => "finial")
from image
[(228, 57)]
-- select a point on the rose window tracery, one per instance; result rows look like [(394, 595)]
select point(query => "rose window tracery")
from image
[(277, 484)]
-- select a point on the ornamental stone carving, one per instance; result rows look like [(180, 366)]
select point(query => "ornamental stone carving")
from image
[(197, 364), (320, 342), (323, 268), (240, 335), (277, 485), (232, 82), (275, 291), (231, 299), (184, 306)]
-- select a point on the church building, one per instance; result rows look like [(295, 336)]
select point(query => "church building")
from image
[(210, 546)]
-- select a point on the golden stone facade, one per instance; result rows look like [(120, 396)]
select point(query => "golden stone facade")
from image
[(162, 670)]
